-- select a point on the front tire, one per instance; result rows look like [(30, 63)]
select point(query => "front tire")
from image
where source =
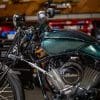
[(11, 88)]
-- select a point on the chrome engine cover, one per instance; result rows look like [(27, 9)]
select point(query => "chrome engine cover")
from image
[(90, 78), (65, 77), (58, 83), (71, 73), (71, 76)]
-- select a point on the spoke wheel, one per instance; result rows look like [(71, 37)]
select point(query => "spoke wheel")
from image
[(10, 86), (6, 92)]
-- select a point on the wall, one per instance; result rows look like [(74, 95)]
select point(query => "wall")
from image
[(84, 6)]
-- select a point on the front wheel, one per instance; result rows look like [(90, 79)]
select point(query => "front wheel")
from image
[(10, 87)]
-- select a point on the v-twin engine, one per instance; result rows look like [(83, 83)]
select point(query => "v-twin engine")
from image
[(71, 76)]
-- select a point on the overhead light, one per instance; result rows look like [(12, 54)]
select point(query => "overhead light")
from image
[(64, 5), (68, 5), (2, 6), (25, 0), (5, 0)]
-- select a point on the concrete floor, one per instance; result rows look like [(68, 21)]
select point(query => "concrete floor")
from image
[(33, 94)]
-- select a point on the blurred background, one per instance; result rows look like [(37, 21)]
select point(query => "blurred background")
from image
[(82, 15)]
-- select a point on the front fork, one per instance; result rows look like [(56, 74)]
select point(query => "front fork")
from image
[(41, 81), (40, 72)]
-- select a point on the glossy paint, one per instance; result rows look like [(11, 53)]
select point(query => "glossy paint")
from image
[(92, 50), (61, 42)]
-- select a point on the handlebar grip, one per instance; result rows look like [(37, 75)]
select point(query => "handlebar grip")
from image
[(13, 57)]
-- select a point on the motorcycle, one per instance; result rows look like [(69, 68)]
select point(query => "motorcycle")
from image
[(66, 61), (10, 85)]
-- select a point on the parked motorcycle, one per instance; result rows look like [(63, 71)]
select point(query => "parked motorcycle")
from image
[(10, 85), (66, 62)]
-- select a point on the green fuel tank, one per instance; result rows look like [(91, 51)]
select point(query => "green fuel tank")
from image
[(58, 42)]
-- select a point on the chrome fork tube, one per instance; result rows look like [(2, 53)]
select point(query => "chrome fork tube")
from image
[(34, 65)]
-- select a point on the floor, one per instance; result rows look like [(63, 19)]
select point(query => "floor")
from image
[(33, 94)]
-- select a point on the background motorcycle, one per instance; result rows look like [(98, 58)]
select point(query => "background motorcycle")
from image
[(10, 85), (67, 61)]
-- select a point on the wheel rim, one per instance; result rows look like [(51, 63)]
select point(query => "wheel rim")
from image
[(6, 92)]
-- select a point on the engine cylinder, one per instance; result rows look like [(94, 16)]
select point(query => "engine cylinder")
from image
[(71, 73)]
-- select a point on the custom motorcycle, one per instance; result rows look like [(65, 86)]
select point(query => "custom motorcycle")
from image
[(10, 85), (66, 62)]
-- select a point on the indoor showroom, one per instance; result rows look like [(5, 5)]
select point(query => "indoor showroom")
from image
[(49, 49)]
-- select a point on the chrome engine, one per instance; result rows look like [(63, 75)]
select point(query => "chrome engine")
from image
[(71, 76), (90, 78)]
